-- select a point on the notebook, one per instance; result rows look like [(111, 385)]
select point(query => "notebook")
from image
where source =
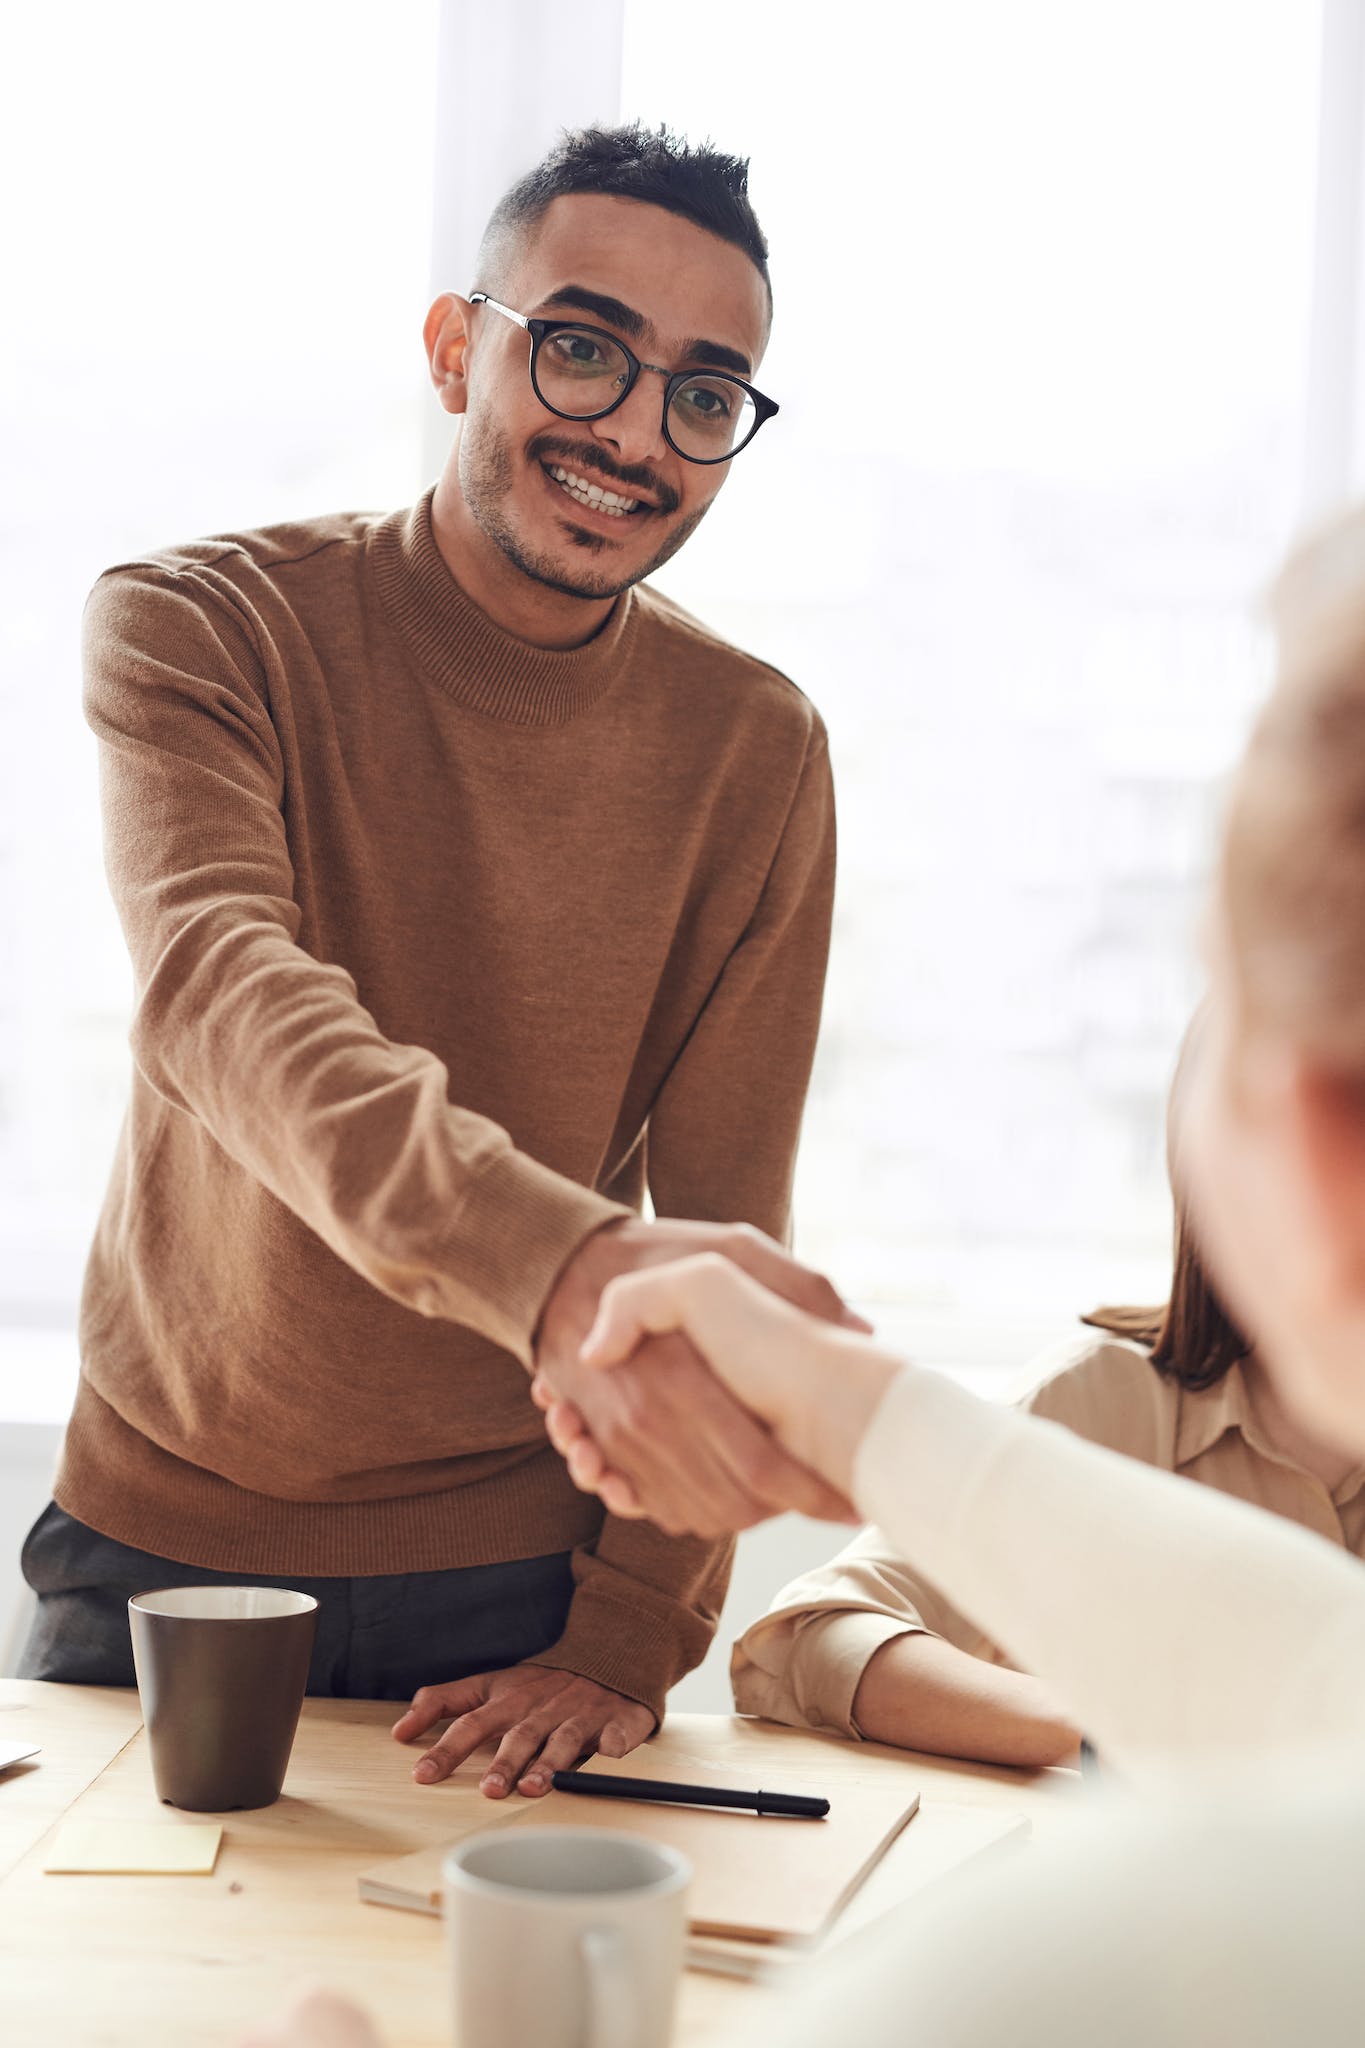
[(756, 1878), (941, 1842)]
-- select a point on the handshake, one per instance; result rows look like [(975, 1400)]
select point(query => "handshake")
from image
[(696, 1375)]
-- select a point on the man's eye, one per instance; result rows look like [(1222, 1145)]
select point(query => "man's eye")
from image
[(578, 352), (708, 402)]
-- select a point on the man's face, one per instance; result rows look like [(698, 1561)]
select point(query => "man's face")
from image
[(678, 297)]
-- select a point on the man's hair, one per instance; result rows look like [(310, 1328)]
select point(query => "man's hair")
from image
[(651, 165)]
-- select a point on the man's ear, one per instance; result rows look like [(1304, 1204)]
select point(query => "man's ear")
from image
[(446, 334), (1328, 1110)]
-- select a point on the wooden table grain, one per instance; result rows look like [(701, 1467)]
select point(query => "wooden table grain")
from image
[(156, 1962)]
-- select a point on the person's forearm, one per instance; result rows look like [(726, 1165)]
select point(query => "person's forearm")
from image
[(919, 1692)]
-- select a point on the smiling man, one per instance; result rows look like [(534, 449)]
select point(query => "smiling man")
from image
[(473, 891)]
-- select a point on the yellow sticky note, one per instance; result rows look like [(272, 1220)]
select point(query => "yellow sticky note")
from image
[(129, 1848)]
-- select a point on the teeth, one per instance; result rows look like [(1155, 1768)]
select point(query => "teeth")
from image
[(592, 494)]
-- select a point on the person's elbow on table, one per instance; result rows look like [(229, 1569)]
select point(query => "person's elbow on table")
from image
[(919, 1692)]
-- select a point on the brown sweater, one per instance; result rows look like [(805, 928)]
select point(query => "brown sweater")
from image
[(445, 947)]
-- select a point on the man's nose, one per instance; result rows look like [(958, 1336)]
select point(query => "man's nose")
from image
[(635, 431)]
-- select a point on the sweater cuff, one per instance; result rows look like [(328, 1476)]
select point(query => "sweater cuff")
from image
[(517, 1228), (637, 1651)]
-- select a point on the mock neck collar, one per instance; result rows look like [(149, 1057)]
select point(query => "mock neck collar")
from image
[(470, 658)]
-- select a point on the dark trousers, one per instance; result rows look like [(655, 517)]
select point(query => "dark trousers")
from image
[(378, 1638)]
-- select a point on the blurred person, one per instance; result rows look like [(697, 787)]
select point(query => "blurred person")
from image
[(867, 1647), (1216, 1652), (472, 889)]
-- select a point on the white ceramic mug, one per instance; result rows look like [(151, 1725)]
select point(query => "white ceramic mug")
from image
[(564, 1938)]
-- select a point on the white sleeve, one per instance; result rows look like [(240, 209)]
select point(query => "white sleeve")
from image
[(1173, 1621), (1226, 1923)]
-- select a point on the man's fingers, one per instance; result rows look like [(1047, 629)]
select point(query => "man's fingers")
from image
[(435, 1703), (586, 1464), (766, 1261), (564, 1426), (519, 1748), (619, 1498), (563, 1748), (462, 1738), (626, 1730)]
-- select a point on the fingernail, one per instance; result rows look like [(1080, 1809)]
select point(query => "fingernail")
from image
[(534, 1781), (494, 1781), (427, 1770)]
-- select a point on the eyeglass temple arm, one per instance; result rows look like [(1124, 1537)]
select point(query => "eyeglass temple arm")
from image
[(482, 299)]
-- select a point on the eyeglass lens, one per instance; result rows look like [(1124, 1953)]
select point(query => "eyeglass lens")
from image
[(581, 373)]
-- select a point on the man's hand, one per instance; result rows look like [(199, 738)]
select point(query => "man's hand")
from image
[(814, 1386), (662, 1422), (548, 1721)]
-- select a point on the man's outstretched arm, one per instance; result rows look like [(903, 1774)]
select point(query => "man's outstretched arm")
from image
[(269, 1048)]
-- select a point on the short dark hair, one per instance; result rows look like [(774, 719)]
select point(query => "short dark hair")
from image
[(651, 165)]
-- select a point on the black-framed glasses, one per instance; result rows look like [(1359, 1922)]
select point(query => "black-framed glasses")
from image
[(583, 373)]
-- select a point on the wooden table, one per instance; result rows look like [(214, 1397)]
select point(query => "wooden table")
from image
[(162, 1962)]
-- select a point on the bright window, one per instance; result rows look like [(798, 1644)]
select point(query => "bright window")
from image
[(217, 278), (1042, 280)]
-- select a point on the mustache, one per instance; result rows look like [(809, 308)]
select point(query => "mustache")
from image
[(629, 477)]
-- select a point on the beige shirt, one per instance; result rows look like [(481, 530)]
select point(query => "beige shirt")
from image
[(802, 1662)]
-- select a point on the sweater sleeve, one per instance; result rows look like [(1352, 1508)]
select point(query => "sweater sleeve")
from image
[(722, 1146), (644, 1610), (1176, 1622), (238, 1025)]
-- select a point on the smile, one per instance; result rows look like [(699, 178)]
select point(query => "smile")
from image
[(592, 495)]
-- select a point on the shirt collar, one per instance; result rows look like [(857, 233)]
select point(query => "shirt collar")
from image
[(1208, 1413)]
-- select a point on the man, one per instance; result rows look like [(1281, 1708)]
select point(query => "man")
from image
[(472, 891)]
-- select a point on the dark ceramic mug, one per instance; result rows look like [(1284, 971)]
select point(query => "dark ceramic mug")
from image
[(221, 1672)]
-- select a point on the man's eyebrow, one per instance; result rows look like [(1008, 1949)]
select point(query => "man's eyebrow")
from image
[(713, 354), (614, 311), (717, 355)]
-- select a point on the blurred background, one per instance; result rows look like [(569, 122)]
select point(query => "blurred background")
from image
[(1068, 342)]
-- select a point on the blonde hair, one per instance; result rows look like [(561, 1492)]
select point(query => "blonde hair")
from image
[(1293, 871)]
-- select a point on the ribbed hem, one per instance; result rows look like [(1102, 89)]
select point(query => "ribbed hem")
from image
[(117, 1481), (465, 654), (518, 1226)]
